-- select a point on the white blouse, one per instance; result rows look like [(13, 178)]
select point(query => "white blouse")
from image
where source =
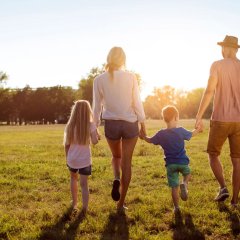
[(117, 99)]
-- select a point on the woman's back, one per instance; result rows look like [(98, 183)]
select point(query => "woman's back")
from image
[(119, 96)]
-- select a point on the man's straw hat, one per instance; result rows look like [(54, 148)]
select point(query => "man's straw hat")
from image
[(229, 41)]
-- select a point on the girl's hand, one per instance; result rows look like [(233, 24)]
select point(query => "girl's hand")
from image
[(98, 135)]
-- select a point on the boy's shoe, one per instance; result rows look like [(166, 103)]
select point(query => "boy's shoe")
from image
[(183, 192), (115, 190), (222, 195)]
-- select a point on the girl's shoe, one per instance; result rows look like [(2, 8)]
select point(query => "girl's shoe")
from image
[(115, 190), (74, 211)]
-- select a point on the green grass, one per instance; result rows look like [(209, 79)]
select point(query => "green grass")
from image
[(35, 196)]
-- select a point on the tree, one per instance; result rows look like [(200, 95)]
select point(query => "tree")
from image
[(160, 98), (86, 84), (3, 76)]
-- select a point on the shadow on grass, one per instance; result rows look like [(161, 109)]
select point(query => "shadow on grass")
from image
[(64, 228), (116, 227), (186, 231), (232, 217)]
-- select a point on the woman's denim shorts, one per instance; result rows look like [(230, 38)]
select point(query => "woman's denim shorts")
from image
[(120, 129)]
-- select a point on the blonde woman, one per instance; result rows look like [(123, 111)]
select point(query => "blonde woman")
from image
[(116, 96), (79, 131)]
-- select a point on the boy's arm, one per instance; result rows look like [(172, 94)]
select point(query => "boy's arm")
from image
[(196, 131), (146, 139)]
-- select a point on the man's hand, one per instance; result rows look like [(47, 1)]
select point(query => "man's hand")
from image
[(199, 124)]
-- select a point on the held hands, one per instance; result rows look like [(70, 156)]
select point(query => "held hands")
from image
[(199, 124), (142, 132)]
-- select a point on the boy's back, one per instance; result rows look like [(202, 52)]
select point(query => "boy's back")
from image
[(172, 142)]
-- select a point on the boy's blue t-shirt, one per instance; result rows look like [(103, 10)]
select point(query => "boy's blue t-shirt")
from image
[(172, 142)]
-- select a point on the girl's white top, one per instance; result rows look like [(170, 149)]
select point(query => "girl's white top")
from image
[(119, 98), (79, 156)]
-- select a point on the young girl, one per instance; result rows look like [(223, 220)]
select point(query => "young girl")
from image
[(77, 135)]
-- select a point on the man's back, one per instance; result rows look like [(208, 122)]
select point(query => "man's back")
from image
[(226, 106)]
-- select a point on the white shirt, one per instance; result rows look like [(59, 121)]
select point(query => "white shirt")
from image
[(119, 98), (79, 156)]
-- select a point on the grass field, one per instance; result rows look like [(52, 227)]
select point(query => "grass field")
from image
[(35, 196)]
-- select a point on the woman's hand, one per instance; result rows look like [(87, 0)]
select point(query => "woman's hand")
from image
[(142, 132)]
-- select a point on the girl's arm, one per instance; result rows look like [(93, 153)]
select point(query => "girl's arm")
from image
[(97, 103), (95, 137), (66, 147)]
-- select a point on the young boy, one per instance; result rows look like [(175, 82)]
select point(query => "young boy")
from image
[(171, 139)]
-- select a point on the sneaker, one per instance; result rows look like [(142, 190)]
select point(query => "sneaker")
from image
[(177, 210), (222, 195), (183, 192), (121, 210), (234, 206), (115, 190)]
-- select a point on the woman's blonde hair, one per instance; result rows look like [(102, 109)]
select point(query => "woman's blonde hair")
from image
[(116, 58), (78, 126)]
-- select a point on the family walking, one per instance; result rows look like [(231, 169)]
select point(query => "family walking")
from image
[(116, 100)]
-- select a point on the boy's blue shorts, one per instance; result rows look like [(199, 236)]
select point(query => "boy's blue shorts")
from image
[(173, 171)]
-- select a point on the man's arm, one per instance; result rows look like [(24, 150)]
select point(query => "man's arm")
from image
[(206, 99)]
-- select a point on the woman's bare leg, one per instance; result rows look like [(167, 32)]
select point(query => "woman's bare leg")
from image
[(128, 146), (116, 148)]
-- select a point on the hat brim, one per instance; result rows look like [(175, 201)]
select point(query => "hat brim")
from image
[(228, 45)]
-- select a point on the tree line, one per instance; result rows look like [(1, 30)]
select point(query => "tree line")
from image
[(53, 104)]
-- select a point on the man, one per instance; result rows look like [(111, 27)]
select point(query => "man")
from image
[(224, 84)]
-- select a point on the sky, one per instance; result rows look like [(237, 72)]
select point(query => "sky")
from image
[(57, 42)]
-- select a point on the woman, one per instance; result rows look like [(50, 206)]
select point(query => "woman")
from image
[(116, 92)]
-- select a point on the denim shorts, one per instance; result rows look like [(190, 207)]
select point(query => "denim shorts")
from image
[(119, 129), (173, 171), (83, 171)]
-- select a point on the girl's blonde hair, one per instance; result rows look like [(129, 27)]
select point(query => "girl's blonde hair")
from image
[(116, 58), (78, 126)]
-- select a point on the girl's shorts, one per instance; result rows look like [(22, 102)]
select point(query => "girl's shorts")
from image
[(83, 171), (119, 129)]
